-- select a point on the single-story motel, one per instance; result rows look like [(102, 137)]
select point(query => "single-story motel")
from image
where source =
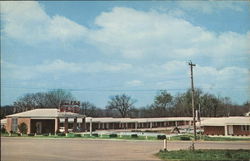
[(41, 121)]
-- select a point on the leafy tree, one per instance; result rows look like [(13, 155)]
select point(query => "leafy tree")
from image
[(209, 105), (183, 102), (23, 128), (162, 103), (122, 103), (164, 99)]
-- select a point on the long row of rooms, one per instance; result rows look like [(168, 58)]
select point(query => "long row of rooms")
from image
[(127, 123), (52, 120)]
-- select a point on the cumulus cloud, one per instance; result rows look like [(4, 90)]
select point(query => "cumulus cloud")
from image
[(139, 34), (125, 32), (28, 22)]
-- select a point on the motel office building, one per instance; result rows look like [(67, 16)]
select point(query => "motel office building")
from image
[(42, 121)]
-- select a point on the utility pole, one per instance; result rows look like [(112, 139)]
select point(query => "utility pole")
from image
[(192, 86)]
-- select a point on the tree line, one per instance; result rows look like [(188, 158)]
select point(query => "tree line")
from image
[(164, 105)]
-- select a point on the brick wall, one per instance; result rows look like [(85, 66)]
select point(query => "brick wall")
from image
[(8, 125), (214, 130), (239, 131), (26, 121)]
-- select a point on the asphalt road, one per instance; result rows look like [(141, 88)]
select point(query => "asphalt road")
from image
[(49, 149)]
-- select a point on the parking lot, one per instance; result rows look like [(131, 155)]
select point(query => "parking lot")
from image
[(62, 149)]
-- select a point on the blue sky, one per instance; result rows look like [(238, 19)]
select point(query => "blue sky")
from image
[(99, 49)]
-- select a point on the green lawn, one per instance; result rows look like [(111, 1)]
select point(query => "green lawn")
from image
[(186, 155), (207, 138)]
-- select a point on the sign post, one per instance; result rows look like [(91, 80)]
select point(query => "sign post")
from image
[(165, 145)]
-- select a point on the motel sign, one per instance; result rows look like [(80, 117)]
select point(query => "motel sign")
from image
[(70, 106)]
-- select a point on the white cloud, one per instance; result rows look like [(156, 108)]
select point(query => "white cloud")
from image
[(64, 29), (105, 67), (134, 83), (59, 68), (138, 34), (28, 22), (127, 32), (209, 7)]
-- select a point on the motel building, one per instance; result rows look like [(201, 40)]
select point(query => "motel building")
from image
[(227, 126), (40, 121), (50, 121)]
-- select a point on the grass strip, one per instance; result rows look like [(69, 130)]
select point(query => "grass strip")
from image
[(199, 155)]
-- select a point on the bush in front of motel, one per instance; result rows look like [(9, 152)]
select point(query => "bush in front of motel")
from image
[(185, 138), (113, 135), (161, 137), (61, 134), (45, 134), (31, 134), (23, 128), (3, 130), (134, 136), (95, 135), (77, 135)]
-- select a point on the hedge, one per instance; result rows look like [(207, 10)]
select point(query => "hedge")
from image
[(161, 137), (113, 135), (134, 136)]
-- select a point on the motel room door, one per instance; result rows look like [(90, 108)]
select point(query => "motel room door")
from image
[(39, 127), (230, 130)]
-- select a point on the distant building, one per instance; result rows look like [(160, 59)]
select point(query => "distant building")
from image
[(234, 126)]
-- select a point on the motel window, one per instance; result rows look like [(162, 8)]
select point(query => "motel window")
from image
[(245, 128), (14, 125)]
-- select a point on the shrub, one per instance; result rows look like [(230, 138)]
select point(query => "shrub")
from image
[(113, 135), (185, 138), (31, 134), (61, 134), (45, 134), (95, 135), (134, 136), (161, 137), (228, 154), (23, 128), (77, 135), (57, 131), (70, 135), (3, 130)]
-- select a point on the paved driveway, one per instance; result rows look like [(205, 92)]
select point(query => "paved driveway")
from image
[(41, 149)]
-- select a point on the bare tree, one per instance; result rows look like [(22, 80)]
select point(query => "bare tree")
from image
[(89, 109), (122, 103), (51, 99)]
